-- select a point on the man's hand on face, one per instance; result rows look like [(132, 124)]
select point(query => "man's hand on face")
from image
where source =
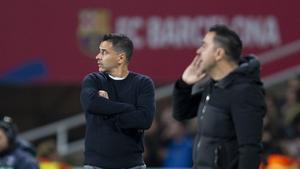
[(193, 73)]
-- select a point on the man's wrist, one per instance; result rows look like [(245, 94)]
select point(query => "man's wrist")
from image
[(182, 84)]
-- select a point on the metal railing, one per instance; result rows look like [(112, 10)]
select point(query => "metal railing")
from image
[(60, 129)]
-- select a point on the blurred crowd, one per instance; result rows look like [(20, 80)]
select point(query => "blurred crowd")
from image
[(281, 136)]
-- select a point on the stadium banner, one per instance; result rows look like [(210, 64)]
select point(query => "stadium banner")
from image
[(55, 42)]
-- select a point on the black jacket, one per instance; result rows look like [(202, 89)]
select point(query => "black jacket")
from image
[(230, 118)]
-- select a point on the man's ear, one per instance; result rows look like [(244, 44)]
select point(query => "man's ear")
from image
[(220, 52), (122, 58)]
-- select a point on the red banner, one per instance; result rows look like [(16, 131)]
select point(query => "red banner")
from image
[(56, 41)]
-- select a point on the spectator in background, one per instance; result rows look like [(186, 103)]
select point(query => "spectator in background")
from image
[(48, 156), (154, 149), (179, 143), (273, 127), (291, 113), (291, 109), (13, 153)]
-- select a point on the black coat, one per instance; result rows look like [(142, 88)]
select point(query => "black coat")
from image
[(230, 118)]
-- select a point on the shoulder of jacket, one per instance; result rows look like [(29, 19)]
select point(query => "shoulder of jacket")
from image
[(246, 89), (141, 76), (27, 158), (96, 75), (247, 85)]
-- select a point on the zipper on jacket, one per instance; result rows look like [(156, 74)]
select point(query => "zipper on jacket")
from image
[(207, 98), (205, 106), (197, 151), (199, 143), (201, 117), (216, 156)]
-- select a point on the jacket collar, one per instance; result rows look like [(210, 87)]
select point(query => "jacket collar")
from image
[(248, 71), (225, 82)]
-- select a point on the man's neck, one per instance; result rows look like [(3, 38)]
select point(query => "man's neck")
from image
[(222, 70), (119, 72)]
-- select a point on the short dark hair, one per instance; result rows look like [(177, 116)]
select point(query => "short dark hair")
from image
[(229, 41), (121, 43)]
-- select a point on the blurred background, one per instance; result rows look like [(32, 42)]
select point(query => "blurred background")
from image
[(47, 47)]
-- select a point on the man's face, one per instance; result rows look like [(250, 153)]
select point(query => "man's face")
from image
[(108, 58), (207, 52), (3, 140)]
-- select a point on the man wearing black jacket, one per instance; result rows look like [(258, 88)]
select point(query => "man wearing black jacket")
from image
[(229, 104), (119, 106)]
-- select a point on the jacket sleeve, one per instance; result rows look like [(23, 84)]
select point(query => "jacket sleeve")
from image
[(25, 160), (141, 116), (93, 103), (185, 105), (32, 164), (248, 108)]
